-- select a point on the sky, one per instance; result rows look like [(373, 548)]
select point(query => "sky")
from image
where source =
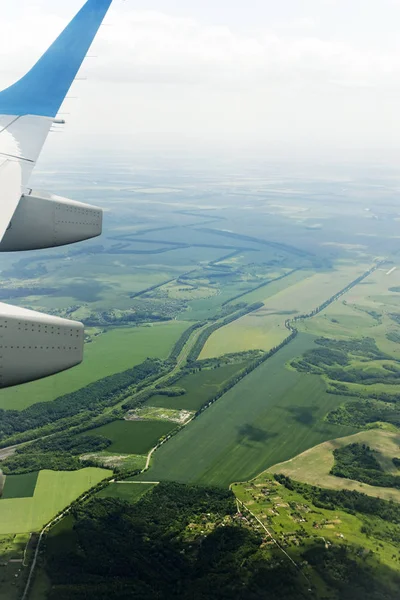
[(302, 76)]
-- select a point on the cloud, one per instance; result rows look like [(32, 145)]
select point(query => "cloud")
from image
[(153, 47)]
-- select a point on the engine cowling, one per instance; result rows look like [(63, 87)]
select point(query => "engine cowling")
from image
[(34, 345), (45, 221)]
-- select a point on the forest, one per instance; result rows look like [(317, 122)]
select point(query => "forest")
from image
[(188, 542)]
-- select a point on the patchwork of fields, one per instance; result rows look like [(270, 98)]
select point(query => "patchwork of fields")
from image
[(109, 353), (53, 492), (273, 413), (265, 328)]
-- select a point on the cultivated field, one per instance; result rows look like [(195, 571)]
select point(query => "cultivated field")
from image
[(133, 437), (129, 491), (20, 486), (313, 466), (271, 415), (109, 353), (53, 492), (200, 387), (265, 328)]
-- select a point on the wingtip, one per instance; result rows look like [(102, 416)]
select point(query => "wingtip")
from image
[(43, 89)]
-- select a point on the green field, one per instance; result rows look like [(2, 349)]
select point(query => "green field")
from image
[(20, 486), (265, 328), (200, 387), (54, 491), (271, 415), (111, 352), (131, 492), (133, 437)]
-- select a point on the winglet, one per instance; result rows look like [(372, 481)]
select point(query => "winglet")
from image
[(43, 89)]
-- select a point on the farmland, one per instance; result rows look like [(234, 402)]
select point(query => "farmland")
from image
[(272, 414), (20, 486), (129, 491), (53, 492), (133, 437), (109, 353), (367, 310), (200, 387), (264, 328), (313, 466)]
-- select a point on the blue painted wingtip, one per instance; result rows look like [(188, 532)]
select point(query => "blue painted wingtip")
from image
[(43, 89)]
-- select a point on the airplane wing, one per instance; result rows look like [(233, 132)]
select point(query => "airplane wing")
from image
[(28, 108), (29, 221)]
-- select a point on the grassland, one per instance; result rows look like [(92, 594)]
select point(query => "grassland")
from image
[(133, 437), (200, 387), (265, 328), (54, 491), (109, 353), (313, 466), (129, 491), (20, 486), (297, 524), (271, 415)]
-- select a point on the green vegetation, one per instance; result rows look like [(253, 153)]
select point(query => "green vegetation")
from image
[(20, 486), (47, 417), (349, 501), (53, 492), (365, 413), (336, 549), (177, 541), (204, 335), (200, 387), (315, 465), (56, 453), (269, 416), (129, 491), (358, 462), (190, 542), (133, 437), (112, 352)]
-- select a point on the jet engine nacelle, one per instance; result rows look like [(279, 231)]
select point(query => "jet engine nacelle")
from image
[(44, 221), (34, 345)]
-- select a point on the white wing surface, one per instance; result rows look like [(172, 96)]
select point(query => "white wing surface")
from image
[(28, 108), (33, 345)]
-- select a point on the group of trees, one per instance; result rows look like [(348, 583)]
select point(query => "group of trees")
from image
[(86, 402), (58, 453), (358, 462), (362, 413)]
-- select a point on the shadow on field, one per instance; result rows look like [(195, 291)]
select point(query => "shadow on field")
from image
[(248, 433), (303, 414)]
